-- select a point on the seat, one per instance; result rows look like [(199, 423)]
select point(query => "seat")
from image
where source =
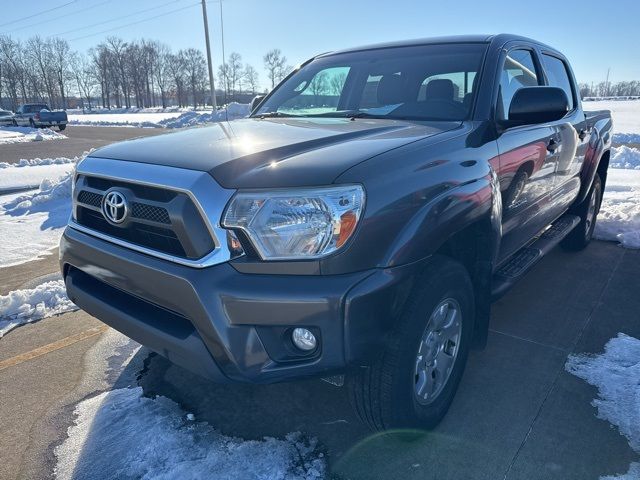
[(391, 90), (439, 89)]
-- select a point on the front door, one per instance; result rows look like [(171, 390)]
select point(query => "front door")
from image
[(528, 158)]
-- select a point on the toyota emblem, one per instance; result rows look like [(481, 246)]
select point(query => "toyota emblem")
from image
[(115, 207)]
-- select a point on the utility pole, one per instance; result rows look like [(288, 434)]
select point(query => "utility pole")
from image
[(206, 36), (224, 58), (607, 82)]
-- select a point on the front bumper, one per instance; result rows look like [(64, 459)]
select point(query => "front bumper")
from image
[(230, 326)]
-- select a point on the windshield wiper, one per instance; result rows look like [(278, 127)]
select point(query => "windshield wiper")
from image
[(274, 114), (347, 114)]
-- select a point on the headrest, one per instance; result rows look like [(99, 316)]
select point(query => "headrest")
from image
[(390, 90), (439, 89), (524, 80)]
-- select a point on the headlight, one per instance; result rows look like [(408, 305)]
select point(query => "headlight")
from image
[(297, 223)]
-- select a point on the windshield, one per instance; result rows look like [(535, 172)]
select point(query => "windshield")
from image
[(427, 82)]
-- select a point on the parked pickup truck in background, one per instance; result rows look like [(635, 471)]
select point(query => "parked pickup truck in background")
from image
[(38, 115), (357, 225)]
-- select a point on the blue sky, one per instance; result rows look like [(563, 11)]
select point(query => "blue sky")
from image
[(594, 35)]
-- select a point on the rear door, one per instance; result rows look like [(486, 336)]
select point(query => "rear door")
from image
[(528, 155), (571, 130)]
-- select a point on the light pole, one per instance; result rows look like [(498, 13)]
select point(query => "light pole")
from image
[(206, 36)]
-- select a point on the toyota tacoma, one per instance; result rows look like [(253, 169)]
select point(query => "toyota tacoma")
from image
[(357, 225)]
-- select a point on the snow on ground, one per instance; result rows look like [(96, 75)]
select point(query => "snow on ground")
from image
[(28, 305), (626, 118), (31, 224), (122, 119), (31, 173), (166, 119), (619, 218), (625, 157), (27, 134), (615, 373), (122, 434)]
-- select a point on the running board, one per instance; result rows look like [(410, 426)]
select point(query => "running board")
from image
[(522, 261)]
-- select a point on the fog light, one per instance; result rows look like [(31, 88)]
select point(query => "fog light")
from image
[(304, 339)]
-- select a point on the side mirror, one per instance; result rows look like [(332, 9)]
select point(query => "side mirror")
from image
[(531, 105), (256, 101)]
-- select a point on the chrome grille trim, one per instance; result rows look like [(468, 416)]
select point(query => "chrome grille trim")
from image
[(206, 194)]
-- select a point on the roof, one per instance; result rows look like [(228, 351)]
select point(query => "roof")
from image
[(500, 38)]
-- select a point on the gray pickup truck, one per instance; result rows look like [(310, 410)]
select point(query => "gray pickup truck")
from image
[(357, 225), (37, 115)]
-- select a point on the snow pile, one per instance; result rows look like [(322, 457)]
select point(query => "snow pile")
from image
[(31, 224), (619, 218), (27, 134), (626, 137), (615, 373), (625, 157), (31, 173), (189, 119), (110, 111), (166, 119), (37, 162), (122, 434), (28, 305), (141, 120)]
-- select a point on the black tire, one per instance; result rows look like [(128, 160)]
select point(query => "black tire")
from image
[(61, 127), (588, 210), (384, 394)]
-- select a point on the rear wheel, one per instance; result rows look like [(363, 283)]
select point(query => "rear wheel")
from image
[(588, 210), (414, 381)]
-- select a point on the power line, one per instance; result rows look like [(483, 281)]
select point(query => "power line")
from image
[(135, 23), (38, 14), (115, 19), (57, 18)]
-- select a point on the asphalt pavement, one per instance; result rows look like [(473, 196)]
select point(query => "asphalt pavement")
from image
[(80, 139)]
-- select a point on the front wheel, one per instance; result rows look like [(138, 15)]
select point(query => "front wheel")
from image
[(413, 382), (588, 210), (61, 127)]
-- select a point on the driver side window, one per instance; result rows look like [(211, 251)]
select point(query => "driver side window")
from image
[(519, 71)]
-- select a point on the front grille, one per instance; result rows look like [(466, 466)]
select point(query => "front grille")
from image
[(90, 198), (159, 219), (150, 212)]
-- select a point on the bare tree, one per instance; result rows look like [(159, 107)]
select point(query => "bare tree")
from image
[(251, 78), (83, 71), (61, 55), (275, 65), (40, 57), (176, 70), (161, 72), (235, 71), (195, 65)]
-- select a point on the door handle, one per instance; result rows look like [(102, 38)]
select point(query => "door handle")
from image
[(552, 146), (582, 134)]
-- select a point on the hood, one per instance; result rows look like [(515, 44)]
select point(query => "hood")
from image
[(275, 152)]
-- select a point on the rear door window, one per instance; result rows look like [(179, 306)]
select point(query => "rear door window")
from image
[(558, 76)]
